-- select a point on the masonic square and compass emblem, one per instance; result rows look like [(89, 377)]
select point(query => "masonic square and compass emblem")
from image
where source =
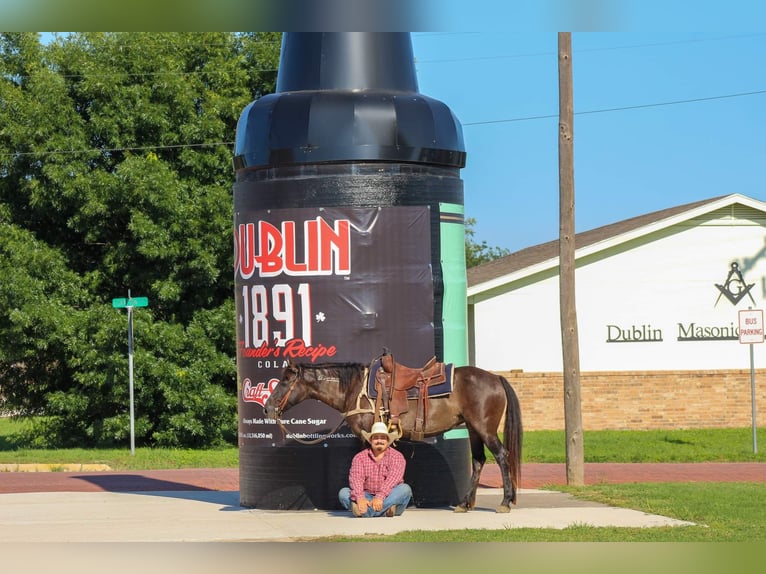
[(735, 288)]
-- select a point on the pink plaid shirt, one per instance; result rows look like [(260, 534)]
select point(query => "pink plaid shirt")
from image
[(377, 478)]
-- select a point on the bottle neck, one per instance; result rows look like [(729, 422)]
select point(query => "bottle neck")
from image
[(347, 61)]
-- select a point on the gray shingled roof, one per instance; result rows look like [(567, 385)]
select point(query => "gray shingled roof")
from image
[(545, 251)]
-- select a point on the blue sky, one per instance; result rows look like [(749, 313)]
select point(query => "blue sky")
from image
[(668, 99), (661, 119)]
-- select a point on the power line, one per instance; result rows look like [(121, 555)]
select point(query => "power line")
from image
[(149, 74), (418, 61), (114, 149), (479, 123), (477, 58), (676, 102), (621, 108), (588, 50)]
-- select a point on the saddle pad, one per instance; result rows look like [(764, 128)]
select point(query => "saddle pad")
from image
[(439, 390)]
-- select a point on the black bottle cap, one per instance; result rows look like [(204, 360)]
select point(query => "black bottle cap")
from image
[(346, 97)]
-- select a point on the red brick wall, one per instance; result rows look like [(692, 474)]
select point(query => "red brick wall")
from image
[(643, 400)]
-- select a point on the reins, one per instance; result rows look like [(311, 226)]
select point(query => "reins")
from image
[(314, 441)]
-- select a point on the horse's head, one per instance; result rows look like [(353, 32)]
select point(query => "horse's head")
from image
[(290, 390)]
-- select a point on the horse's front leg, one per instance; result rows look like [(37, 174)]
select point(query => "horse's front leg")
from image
[(478, 458)]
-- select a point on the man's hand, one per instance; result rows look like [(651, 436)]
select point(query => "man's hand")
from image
[(377, 504), (362, 504)]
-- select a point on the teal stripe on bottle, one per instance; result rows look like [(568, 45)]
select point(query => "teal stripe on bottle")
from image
[(454, 309), (456, 433)]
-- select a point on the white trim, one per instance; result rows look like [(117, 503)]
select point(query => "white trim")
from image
[(617, 240)]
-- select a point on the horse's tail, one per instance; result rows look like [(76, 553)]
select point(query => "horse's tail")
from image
[(512, 435)]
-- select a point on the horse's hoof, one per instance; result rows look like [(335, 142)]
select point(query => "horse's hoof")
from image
[(503, 509), (461, 509)]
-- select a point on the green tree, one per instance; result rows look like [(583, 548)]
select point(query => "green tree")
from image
[(38, 297), (478, 253), (116, 174)]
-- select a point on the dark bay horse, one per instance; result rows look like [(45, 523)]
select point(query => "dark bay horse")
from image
[(479, 399)]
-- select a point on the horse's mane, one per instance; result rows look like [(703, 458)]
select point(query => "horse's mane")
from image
[(344, 371)]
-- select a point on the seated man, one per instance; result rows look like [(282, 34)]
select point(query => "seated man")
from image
[(376, 478)]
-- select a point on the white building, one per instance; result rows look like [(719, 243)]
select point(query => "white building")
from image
[(661, 291)]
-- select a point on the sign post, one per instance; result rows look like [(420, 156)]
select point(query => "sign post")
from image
[(750, 332), (128, 304)]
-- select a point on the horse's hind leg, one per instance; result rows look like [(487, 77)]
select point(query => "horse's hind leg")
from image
[(478, 458), (495, 445)]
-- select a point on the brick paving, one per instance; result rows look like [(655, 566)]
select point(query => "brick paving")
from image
[(128, 481), (533, 475)]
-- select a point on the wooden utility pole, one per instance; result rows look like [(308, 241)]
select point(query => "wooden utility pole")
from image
[(575, 459)]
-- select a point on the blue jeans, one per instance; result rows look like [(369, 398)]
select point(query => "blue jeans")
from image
[(399, 496)]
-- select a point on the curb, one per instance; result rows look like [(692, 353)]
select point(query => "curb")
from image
[(54, 467)]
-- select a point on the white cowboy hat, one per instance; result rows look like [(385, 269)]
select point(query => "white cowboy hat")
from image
[(380, 428)]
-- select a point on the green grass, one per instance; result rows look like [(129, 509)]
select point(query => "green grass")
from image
[(14, 451), (731, 512), (695, 445)]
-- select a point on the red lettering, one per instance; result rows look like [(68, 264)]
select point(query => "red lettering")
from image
[(259, 393), (297, 349), (269, 250), (291, 267), (312, 243), (326, 248), (246, 250), (262, 352), (335, 245)]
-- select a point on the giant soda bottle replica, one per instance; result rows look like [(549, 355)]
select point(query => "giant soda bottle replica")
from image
[(349, 237)]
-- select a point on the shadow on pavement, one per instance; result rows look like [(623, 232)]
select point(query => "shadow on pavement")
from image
[(134, 482), (148, 486)]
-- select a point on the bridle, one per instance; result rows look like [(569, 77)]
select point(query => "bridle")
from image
[(283, 401), (355, 411)]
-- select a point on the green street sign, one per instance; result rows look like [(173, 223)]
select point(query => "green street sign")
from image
[(132, 302)]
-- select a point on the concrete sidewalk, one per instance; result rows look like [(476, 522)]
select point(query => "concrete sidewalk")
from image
[(215, 516), (203, 505)]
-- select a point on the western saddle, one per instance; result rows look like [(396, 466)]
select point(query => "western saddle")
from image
[(394, 382)]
